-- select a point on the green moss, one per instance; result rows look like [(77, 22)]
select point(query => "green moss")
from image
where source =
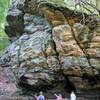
[(4, 4), (58, 2)]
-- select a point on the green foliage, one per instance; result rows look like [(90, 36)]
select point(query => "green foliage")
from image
[(4, 4), (87, 6), (3, 44)]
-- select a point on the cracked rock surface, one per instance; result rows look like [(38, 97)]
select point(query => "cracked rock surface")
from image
[(49, 45)]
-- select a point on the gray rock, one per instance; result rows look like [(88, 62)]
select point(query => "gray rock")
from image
[(15, 20)]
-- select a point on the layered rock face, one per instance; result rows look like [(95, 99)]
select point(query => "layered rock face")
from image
[(51, 44)]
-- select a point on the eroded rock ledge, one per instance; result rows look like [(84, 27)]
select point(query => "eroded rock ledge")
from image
[(50, 45)]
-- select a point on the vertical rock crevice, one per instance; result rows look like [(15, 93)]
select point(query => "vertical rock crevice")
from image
[(92, 25)]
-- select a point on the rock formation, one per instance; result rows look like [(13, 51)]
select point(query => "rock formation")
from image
[(51, 45)]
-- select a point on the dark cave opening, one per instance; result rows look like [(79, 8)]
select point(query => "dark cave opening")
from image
[(64, 84), (92, 80), (69, 85)]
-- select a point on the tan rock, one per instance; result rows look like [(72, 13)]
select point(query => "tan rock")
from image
[(94, 45), (96, 39), (66, 45), (75, 71), (93, 52), (79, 83), (54, 17)]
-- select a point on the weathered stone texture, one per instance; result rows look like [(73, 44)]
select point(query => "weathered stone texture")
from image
[(50, 45)]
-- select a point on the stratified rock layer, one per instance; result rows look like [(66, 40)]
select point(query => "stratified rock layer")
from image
[(49, 45)]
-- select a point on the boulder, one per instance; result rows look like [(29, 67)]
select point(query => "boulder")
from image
[(51, 46)]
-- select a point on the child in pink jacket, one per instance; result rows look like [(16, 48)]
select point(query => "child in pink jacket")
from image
[(59, 97)]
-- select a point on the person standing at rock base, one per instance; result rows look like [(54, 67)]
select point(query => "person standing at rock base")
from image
[(40, 97), (72, 96), (59, 97)]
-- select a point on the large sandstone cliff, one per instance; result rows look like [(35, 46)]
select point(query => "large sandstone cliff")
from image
[(52, 45)]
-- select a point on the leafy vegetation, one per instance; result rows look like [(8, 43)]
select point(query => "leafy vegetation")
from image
[(4, 4), (87, 6)]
